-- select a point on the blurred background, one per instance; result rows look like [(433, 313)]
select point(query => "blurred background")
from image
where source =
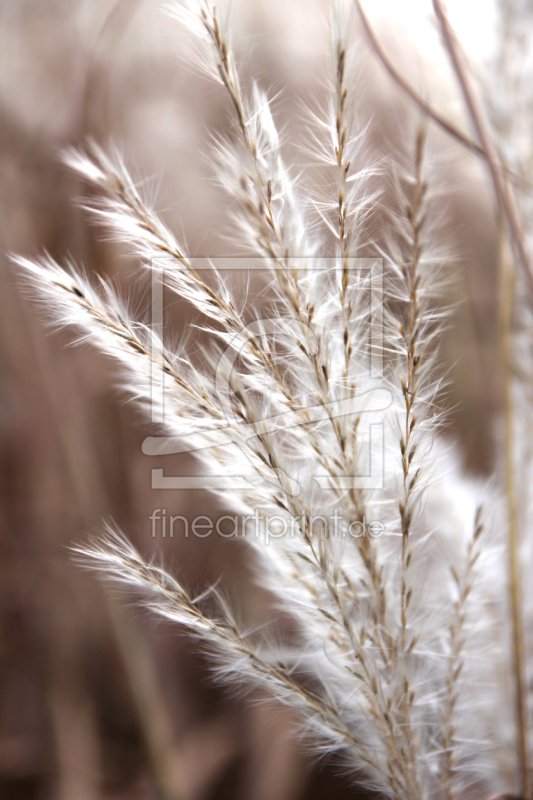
[(96, 699)]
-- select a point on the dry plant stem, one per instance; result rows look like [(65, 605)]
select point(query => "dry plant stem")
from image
[(127, 195), (506, 319), (410, 333), (519, 180), (510, 212), (342, 132), (504, 195), (133, 202), (230, 81), (344, 168)]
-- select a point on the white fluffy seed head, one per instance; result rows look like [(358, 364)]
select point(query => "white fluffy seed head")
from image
[(398, 663)]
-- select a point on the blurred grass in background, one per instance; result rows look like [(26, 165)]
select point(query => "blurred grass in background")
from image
[(95, 700)]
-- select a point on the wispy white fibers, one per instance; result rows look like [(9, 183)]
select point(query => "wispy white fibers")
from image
[(397, 662)]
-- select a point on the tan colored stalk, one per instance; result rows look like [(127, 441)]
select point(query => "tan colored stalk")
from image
[(342, 132), (505, 197), (507, 294), (509, 211)]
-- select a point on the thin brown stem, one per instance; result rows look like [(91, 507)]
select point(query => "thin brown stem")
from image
[(506, 313), (504, 195)]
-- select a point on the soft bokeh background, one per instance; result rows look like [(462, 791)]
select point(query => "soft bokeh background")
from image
[(96, 700)]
